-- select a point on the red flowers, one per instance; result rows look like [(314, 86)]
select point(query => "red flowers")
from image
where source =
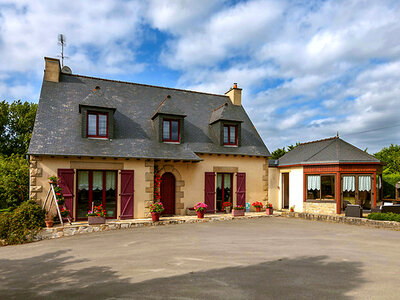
[(157, 184), (97, 211), (257, 204)]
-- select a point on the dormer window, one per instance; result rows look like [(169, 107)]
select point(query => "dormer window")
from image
[(171, 130), (230, 135), (97, 125)]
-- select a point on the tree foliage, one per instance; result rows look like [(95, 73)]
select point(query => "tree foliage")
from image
[(278, 153), (14, 180), (391, 171), (16, 125)]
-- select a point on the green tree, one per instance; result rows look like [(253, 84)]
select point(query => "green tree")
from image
[(14, 180), (278, 153), (391, 171), (16, 125)]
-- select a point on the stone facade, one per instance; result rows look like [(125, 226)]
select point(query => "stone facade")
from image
[(34, 173), (320, 208)]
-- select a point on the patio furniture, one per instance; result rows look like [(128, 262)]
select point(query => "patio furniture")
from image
[(354, 211)]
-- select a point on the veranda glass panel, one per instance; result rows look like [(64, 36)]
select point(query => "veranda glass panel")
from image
[(349, 190), (110, 194), (83, 194), (232, 135), (166, 130), (327, 187), (102, 125), (97, 188), (175, 130), (92, 123), (226, 140), (364, 191), (313, 187)]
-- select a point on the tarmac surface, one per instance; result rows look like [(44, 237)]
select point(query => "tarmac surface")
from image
[(266, 258)]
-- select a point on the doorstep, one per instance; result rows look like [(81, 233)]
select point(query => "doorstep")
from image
[(83, 227)]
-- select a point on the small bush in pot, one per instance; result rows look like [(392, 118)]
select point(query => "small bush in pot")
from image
[(96, 216), (257, 205), (200, 208), (292, 208), (156, 209), (238, 210), (269, 209), (227, 206)]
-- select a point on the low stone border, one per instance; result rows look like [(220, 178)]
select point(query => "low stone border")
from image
[(391, 225), (71, 230)]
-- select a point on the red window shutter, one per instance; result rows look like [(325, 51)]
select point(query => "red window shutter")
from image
[(241, 189), (127, 193), (67, 187), (209, 192)]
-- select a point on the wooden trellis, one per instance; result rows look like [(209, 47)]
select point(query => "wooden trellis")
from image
[(52, 199)]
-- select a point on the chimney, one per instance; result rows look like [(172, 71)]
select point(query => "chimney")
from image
[(52, 69), (235, 94)]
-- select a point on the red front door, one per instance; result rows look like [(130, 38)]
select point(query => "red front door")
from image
[(167, 190)]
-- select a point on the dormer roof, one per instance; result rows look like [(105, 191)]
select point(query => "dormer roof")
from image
[(225, 112)]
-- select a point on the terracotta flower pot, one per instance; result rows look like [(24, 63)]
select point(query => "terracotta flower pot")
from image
[(200, 214), (238, 212), (49, 224), (228, 209), (93, 220), (155, 216), (269, 211), (258, 209), (292, 210)]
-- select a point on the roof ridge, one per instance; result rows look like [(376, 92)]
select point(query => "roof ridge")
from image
[(316, 141), (142, 84)]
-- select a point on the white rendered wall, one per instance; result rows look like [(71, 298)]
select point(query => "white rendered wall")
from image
[(295, 187)]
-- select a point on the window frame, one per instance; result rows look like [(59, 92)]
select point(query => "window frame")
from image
[(97, 135), (229, 134), (170, 140), (320, 188)]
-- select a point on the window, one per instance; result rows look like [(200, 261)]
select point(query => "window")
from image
[(320, 187), (230, 135), (95, 188), (171, 131), (97, 125)]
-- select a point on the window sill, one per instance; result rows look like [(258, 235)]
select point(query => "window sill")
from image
[(169, 142), (97, 138), (231, 146)]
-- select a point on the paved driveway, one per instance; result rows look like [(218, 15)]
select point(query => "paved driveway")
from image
[(269, 258)]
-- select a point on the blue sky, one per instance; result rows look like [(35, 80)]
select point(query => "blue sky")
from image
[(307, 68)]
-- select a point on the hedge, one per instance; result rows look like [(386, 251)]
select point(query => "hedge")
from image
[(20, 225), (384, 216)]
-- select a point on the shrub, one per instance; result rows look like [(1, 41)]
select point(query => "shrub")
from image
[(384, 216), (14, 181), (22, 224)]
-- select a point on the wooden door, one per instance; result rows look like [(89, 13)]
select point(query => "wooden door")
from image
[(209, 191), (241, 189), (67, 188), (127, 193), (285, 190), (167, 191)]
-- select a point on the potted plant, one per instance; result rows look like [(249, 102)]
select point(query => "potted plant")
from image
[(49, 220), (258, 205), (238, 211), (269, 209), (64, 212), (60, 200), (227, 206), (97, 215), (54, 180), (156, 209), (200, 208), (292, 208)]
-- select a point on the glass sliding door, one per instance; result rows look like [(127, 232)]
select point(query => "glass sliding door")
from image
[(357, 189), (364, 191), (348, 190), (96, 188)]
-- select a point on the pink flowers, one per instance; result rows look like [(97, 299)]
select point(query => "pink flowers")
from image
[(156, 207), (200, 206)]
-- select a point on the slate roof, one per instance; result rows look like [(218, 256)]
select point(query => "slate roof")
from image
[(332, 150), (57, 129), (97, 98), (169, 106), (224, 112)]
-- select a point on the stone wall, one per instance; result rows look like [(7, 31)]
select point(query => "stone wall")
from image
[(319, 208), (34, 173)]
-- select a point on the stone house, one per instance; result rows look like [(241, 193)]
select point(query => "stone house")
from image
[(325, 176), (105, 139)]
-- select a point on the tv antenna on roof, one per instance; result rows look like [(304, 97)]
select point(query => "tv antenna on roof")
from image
[(62, 42)]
